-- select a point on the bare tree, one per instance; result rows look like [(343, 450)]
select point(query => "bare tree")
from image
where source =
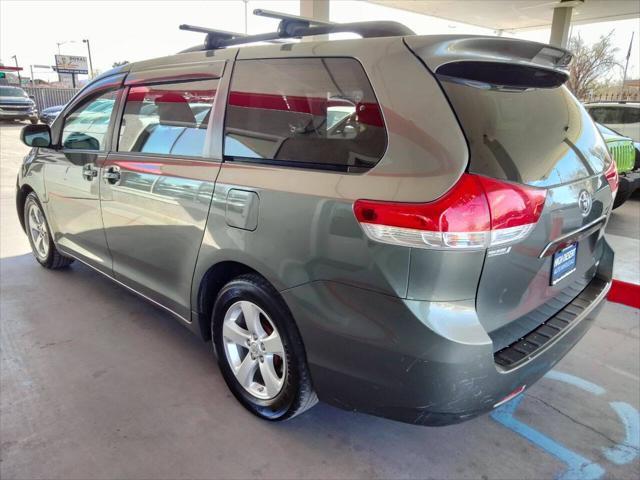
[(592, 66)]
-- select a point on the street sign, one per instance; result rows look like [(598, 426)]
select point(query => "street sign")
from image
[(71, 64)]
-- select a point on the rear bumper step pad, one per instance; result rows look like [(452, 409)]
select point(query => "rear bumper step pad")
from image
[(535, 341)]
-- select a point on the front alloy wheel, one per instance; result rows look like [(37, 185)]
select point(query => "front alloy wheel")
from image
[(38, 232), (39, 235)]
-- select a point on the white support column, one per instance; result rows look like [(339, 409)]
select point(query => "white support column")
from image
[(560, 25), (318, 9)]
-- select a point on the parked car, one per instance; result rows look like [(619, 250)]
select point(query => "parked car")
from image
[(423, 254), (625, 154), (15, 104), (48, 115), (622, 117)]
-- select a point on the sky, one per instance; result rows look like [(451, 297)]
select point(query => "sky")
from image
[(141, 29)]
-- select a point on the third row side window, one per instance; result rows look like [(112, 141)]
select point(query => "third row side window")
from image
[(304, 111)]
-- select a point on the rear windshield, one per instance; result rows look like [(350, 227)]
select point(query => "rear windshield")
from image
[(536, 136)]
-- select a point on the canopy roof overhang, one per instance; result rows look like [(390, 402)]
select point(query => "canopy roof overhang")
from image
[(511, 15)]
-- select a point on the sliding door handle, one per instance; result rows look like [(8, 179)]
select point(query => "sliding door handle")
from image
[(111, 175)]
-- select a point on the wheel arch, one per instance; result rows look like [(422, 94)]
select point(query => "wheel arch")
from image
[(216, 277), (21, 198)]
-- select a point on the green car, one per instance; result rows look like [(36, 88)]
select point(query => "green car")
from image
[(625, 155)]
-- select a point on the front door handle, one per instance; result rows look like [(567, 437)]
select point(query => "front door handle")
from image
[(112, 175), (89, 172)]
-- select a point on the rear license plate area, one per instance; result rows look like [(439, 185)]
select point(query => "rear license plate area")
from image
[(563, 263)]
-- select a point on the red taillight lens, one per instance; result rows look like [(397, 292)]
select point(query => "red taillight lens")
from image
[(612, 177), (515, 209), (478, 212)]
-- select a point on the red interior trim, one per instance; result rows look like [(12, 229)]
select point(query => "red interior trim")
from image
[(368, 112)]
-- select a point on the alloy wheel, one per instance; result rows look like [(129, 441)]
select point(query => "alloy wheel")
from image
[(254, 350), (38, 231)]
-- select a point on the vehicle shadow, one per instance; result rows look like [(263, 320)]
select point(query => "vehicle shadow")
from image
[(125, 371)]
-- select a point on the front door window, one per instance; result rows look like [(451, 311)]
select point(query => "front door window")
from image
[(86, 127)]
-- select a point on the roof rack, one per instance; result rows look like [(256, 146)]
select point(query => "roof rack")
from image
[(293, 26)]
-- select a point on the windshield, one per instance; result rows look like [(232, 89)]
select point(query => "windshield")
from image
[(12, 92)]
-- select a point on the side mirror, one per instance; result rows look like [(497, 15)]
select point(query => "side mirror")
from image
[(32, 97), (38, 135)]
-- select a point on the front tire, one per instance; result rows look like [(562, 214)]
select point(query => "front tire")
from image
[(42, 246), (259, 350)]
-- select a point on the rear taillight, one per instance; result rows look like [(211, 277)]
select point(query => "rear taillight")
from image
[(477, 213), (612, 177)]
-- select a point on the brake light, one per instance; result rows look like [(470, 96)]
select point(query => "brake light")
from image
[(477, 213), (612, 177)]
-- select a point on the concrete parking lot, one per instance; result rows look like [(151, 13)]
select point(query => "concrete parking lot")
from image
[(96, 383)]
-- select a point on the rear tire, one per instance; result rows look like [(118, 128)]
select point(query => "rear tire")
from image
[(39, 234), (272, 381)]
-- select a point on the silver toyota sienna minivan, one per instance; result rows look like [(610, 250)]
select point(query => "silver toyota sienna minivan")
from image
[(408, 226)]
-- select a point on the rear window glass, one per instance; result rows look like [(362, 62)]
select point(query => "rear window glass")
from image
[(312, 112), (538, 136), (167, 119)]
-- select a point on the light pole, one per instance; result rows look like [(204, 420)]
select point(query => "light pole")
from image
[(86, 40), (17, 71), (73, 75), (64, 43)]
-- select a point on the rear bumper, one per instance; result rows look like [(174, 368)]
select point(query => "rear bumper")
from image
[(426, 363)]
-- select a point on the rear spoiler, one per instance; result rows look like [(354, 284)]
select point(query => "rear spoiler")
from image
[(449, 53)]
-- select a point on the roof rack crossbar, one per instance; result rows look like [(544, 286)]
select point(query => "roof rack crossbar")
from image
[(289, 24), (261, 12), (213, 37), (365, 29), (293, 26)]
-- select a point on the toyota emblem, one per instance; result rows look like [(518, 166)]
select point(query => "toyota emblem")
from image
[(584, 202)]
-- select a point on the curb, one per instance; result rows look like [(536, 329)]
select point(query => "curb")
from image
[(624, 293)]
